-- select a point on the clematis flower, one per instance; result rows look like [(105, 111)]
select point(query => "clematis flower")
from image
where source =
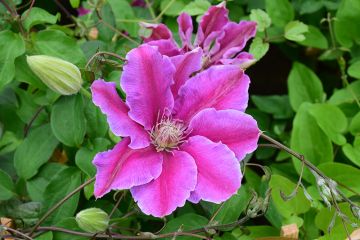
[(183, 136), (221, 40)]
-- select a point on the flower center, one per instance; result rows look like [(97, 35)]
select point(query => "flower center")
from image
[(168, 134)]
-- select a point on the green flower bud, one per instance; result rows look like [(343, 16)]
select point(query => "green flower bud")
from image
[(61, 76), (92, 220)]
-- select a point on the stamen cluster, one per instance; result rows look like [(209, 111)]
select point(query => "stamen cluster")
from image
[(167, 134)]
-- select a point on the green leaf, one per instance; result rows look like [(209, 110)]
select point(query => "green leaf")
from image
[(68, 120), (304, 86), (308, 139), (352, 152), (37, 16), (85, 155), (172, 7), (354, 127), (233, 207), (278, 106), (11, 46), (58, 44), (64, 183), (197, 7), (45, 236), (331, 120), (297, 205), (27, 108), (295, 30), (96, 121), (324, 217), (9, 142), (346, 28), (310, 6), (68, 223), (185, 222), (255, 232), (106, 33), (6, 186), (258, 48), (122, 11), (24, 74), (280, 11), (37, 185), (314, 38), (75, 3), (28, 213), (354, 70), (261, 18), (34, 151), (346, 95), (347, 175)]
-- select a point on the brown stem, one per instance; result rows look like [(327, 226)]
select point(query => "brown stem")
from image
[(14, 231), (28, 126), (104, 53), (61, 202)]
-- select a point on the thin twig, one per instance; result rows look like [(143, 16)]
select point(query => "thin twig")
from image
[(151, 10), (14, 231), (103, 53), (29, 10), (28, 126), (164, 10), (117, 204), (61, 202)]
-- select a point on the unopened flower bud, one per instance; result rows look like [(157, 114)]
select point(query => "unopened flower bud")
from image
[(60, 76), (92, 220)]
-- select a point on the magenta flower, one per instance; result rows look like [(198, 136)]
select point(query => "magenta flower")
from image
[(183, 137), (221, 40), (82, 11)]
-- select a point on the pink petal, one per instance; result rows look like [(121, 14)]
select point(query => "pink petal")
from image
[(124, 168), (163, 195), (233, 40), (243, 60), (158, 31), (219, 174), (237, 130), (185, 65), (212, 21), (166, 47), (146, 80), (105, 96), (185, 29), (220, 87)]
